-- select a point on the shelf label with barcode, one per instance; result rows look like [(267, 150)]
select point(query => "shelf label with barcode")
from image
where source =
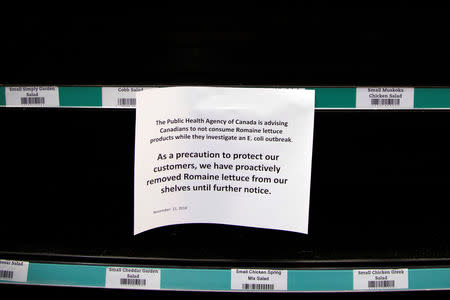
[(12, 270), (380, 279), (133, 278), (46, 96), (258, 280), (120, 96), (385, 97)]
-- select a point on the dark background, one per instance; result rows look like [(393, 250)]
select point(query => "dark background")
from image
[(379, 193), (311, 43), (379, 190)]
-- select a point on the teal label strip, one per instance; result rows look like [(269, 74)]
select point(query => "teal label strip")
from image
[(196, 279), (2, 96), (71, 275), (320, 280), (220, 279), (80, 96), (335, 97), (431, 98), (423, 279)]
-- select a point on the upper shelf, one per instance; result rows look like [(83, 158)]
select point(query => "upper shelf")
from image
[(125, 97)]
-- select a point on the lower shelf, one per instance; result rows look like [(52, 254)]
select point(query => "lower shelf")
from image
[(221, 279)]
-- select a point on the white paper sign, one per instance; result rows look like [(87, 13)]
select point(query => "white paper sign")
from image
[(258, 280), (384, 97), (380, 279), (120, 96), (133, 278), (239, 156), (12, 270), (47, 96)]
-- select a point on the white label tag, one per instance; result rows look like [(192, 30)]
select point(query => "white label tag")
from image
[(12, 270), (380, 279), (47, 96), (133, 278), (120, 96), (258, 280), (384, 97)]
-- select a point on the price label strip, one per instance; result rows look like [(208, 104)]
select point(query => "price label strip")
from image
[(133, 278), (258, 280), (380, 279), (385, 98), (120, 97), (12, 270), (32, 96)]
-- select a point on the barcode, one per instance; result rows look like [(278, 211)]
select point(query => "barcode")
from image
[(126, 101), (385, 102), (32, 100), (133, 281), (6, 274), (382, 284), (258, 286)]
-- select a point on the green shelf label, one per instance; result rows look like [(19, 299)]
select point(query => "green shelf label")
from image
[(80, 96), (2, 96), (335, 97), (431, 98)]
